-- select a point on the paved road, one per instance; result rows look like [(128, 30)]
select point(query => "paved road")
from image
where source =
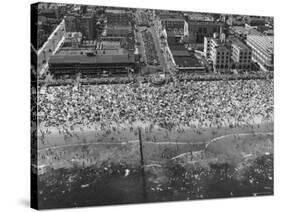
[(140, 40), (156, 40)]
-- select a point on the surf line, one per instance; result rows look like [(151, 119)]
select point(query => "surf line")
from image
[(150, 142), (224, 136), (117, 143)]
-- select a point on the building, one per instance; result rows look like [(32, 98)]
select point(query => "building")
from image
[(255, 21), (207, 47), (173, 24), (72, 23), (226, 54), (72, 39), (88, 26), (219, 53), (187, 62), (269, 32), (118, 17), (241, 54), (235, 20), (119, 28), (191, 16), (92, 63), (172, 21), (242, 32), (184, 59), (198, 29), (118, 31), (262, 50)]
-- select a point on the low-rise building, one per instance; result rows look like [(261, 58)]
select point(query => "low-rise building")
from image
[(88, 26), (184, 59), (226, 54), (262, 50), (219, 53), (241, 54), (91, 62), (118, 17), (118, 31), (197, 30), (207, 47), (171, 22), (255, 21)]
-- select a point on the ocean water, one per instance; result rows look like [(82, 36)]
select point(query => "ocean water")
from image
[(108, 185)]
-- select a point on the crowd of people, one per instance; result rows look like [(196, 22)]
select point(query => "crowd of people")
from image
[(150, 50), (212, 76), (201, 104)]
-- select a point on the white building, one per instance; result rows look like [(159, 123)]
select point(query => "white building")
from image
[(218, 52), (241, 54), (262, 50)]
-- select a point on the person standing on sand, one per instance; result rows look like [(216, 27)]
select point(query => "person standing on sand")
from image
[(145, 105)]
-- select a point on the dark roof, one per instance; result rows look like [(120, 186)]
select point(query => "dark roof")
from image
[(174, 33), (99, 59), (181, 53), (66, 51), (255, 21), (116, 31), (190, 61), (176, 46), (175, 16)]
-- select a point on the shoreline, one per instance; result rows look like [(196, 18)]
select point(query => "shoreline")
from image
[(126, 132), (105, 155)]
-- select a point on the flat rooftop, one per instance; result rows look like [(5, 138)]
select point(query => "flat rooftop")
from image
[(117, 31), (110, 44), (188, 61), (98, 57), (83, 51), (176, 46), (199, 17), (245, 31), (239, 44), (116, 11), (174, 33), (171, 16), (119, 27), (181, 53)]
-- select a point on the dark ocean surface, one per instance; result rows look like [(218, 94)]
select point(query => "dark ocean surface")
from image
[(78, 187)]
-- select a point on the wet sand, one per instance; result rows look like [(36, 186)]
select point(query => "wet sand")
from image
[(126, 133)]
